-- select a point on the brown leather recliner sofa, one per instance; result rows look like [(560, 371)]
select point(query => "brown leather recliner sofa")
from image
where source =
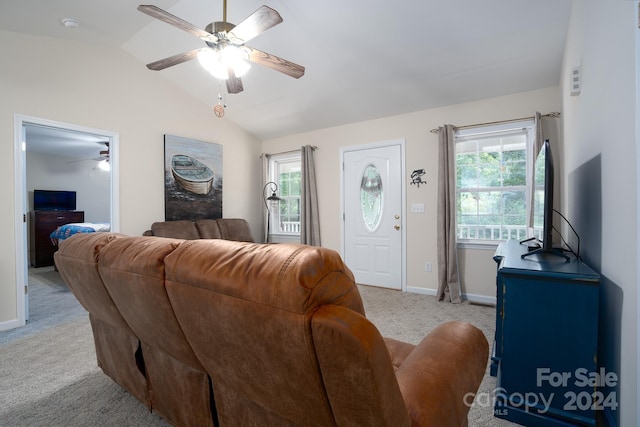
[(221, 228), (218, 332)]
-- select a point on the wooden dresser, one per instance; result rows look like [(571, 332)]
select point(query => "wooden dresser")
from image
[(43, 223)]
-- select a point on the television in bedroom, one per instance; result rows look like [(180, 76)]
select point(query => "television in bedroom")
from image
[(543, 204), (54, 200)]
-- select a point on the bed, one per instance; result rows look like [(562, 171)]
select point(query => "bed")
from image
[(68, 230)]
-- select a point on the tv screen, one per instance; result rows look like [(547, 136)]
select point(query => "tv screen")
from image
[(543, 201), (54, 200), (542, 178), (544, 173)]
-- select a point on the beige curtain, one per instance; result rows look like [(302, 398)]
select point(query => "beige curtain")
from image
[(265, 178), (448, 284), (309, 216), (533, 149)]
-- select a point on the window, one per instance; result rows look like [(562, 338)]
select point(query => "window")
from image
[(492, 180), (286, 171)]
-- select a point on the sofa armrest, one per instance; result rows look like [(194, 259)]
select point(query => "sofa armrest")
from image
[(436, 376)]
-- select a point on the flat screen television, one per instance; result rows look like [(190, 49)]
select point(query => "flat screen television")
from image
[(54, 200), (543, 204)]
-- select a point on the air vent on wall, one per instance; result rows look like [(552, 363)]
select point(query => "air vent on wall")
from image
[(575, 82)]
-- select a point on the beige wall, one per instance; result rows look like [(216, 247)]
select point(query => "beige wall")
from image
[(601, 177), (478, 269), (104, 88)]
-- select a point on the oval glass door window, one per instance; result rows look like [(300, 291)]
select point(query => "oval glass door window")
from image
[(371, 198)]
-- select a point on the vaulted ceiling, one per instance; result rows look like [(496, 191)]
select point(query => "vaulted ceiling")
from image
[(364, 59)]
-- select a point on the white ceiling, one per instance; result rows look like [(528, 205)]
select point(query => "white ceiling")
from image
[(364, 59)]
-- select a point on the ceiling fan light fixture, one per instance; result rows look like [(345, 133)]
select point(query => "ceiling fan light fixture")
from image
[(217, 62), (104, 165), (211, 61), (236, 58)]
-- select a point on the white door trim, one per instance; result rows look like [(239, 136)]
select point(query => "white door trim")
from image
[(20, 201), (395, 142)]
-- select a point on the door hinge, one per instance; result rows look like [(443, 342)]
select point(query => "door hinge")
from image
[(24, 217), (25, 290)]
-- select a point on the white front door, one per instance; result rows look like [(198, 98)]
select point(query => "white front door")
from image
[(373, 235)]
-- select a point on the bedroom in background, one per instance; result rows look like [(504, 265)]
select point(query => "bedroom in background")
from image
[(67, 177)]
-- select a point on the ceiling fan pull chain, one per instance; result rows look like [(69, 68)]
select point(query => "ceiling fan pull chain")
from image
[(220, 106)]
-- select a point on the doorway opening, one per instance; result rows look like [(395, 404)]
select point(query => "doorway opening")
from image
[(63, 156)]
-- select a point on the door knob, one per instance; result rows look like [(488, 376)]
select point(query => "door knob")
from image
[(397, 227)]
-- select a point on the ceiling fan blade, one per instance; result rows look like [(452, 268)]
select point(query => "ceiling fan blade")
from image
[(234, 84), (273, 62), (161, 64), (164, 16), (259, 21)]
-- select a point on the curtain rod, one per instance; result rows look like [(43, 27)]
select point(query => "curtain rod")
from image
[(552, 114), (290, 151)]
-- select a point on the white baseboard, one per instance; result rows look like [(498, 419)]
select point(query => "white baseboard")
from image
[(424, 291), (482, 299), (9, 324)]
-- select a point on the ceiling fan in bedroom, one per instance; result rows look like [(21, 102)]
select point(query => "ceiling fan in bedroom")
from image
[(226, 56), (102, 159)]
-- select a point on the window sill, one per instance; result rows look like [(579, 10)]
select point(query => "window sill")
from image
[(486, 245), (284, 238)]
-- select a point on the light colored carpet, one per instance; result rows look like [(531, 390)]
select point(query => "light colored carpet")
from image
[(49, 375)]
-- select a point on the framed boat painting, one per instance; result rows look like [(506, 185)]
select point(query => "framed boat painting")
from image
[(192, 179)]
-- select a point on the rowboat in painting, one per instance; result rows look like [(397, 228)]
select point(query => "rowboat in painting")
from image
[(191, 174)]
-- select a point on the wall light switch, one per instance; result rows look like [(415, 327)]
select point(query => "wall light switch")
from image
[(417, 207)]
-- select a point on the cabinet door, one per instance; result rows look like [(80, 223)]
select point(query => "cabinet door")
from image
[(549, 335)]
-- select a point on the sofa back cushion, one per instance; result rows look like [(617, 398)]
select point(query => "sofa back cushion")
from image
[(78, 267), (133, 273), (357, 370), (208, 229), (234, 229), (182, 229), (246, 310), (117, 346)]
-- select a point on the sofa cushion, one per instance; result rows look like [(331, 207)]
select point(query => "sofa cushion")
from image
[(80, 272), (246, 308), (208, 229), (182, 229), (132, 270), (133, 273), (117, 346), (235, 229)]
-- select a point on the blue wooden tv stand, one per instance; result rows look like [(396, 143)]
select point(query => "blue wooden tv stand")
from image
[(545, 350)]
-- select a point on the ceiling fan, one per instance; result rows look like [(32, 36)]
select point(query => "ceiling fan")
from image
[(226, 54), (102, 159)]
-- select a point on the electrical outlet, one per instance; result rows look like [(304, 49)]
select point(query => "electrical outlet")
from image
[(427, 266), (417, 207)]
